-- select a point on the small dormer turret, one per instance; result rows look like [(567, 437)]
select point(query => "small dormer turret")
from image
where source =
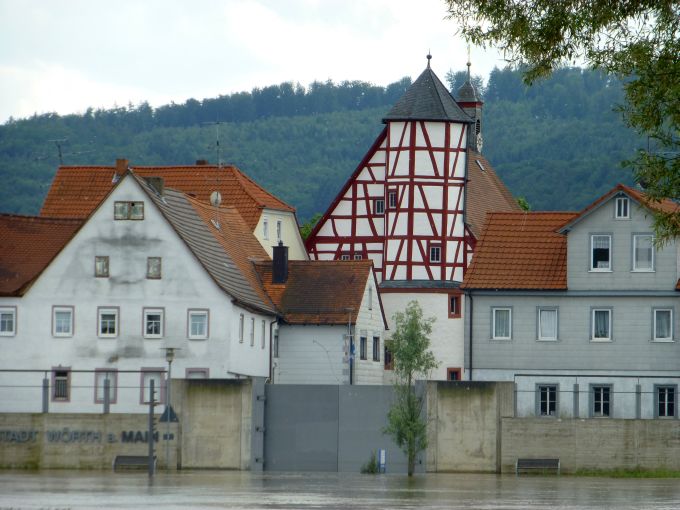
[(469, 100)]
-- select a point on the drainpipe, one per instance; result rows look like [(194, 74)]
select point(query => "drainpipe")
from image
[(271, 350), (471, 320)]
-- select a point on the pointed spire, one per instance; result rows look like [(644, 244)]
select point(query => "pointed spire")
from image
[(429, 57), (467, 92)]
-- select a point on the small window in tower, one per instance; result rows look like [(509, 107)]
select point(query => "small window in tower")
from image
[(435, 252), (478, 126), (379, 206), (392, 198), (344, 256)]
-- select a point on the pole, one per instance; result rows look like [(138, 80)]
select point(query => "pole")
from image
[(167, 416), (150, 441)]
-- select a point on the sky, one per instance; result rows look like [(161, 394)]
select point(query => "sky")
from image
[(67, 55)]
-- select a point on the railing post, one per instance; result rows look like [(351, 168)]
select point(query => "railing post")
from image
[(107, 386), (45, 394), (152, 397)]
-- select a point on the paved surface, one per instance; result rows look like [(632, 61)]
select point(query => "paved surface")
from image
[(56, 490)]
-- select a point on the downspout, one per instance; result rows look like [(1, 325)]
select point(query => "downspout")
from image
[(470, 349), (271, 350)]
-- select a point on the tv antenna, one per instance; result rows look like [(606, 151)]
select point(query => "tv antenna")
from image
[(59, 143), (218, 148)]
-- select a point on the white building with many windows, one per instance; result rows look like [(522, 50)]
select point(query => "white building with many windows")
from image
[(578, 309)]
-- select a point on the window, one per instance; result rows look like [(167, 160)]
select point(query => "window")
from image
[(392, 198), (665, 401), (62, 321), (8, 321), (197, 373), (622, 208), (663, 325), (153, 323), (241, 325), (153, 268), (601, 325), (344, 256), (547, 323), (601, 401), (547, 400), (264, 334), (453, 374), (275, 343), (198, 324), (370, 297), (252, 331), (379, 206), (107, 323), (643, 252), (148, 375), (101, 267), (376, 348), (265, 228), (278, 230), (101, 375), (362, 347), (61, 384), (387, 359), (128, 210), (454, 305), (502, 323), (600, 253), (435, 252), (358, 256)]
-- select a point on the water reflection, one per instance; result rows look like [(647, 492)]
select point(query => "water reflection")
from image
[(244, 490)]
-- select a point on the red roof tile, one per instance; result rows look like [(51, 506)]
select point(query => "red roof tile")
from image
[(520, 251), (27, 245), (318, 292), (485, 193), (76, 191)]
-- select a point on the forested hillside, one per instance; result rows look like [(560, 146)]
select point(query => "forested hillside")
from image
[(558, 143)]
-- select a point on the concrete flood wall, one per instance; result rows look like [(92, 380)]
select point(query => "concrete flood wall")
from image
[(464, 425), (596, 443)]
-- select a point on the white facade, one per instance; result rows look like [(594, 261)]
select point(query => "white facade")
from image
[(274, 226), (122, 322)]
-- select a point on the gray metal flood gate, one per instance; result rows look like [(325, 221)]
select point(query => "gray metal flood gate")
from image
[(327, 428)]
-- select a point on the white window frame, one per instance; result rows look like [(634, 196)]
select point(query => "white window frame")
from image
[(609, 336), (658, 388), (108, 311), (494, 335), (252, 331), (358, 256), (241, 327), (62, 309), (264, 333), (7, 312), (145, 322), (539, 400), (125, 210), (279, 230), (592, 254), (198, 313), (151, 268), (435, 248), (379, 206), (265, 228), (540, 332), (103, 270), (392, 198), (622, 205), (635, 260), (654, 329), (594, 391)]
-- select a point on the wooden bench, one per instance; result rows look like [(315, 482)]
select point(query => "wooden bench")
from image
[(132, 462), (537, 465)]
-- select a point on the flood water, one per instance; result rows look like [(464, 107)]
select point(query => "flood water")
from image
[(244, 490)]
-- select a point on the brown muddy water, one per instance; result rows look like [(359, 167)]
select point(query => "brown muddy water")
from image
[(60, 490)]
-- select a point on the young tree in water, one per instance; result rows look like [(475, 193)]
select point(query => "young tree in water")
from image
[(409, 346)]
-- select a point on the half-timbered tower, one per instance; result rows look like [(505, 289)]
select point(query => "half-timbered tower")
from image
[(406, 208)]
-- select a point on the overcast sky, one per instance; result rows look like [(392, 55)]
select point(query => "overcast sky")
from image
[(65, 55)]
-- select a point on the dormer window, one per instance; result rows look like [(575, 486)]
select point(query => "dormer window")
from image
[(128, 210), (622, 208)]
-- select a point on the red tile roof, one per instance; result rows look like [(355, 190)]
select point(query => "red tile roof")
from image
[(27, 245), (319, 292), (663, 206), (520, 251), (77, 190), (485, 193)]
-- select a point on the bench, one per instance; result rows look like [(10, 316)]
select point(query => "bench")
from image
[(132, 462), (537, 465)]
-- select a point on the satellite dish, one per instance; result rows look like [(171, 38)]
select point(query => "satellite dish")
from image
[(216, 198)]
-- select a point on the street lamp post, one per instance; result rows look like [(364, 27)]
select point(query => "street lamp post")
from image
[(169, 357)]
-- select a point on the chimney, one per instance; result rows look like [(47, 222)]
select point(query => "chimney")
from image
[(156, 183), (121, 166), (280, 264), (202, 162)]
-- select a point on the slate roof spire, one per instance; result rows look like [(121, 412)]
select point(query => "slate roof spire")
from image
[(427, 99)]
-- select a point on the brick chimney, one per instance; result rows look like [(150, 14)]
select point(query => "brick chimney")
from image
[(121, 166), (280, 264), (202, 162)]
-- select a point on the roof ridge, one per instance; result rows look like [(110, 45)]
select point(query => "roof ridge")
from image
[(241, 175), (41, 218)]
